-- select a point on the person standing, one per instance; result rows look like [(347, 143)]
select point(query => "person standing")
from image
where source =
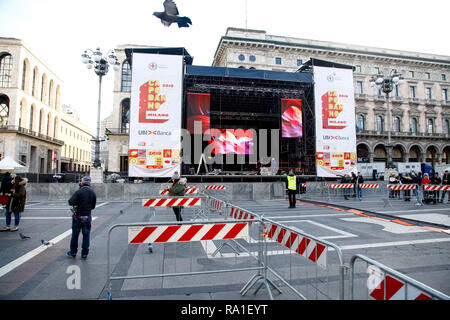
[(346, 180), (292, 187), (5, 190), (83, 201), (178, 188), (353, 180), (358, 181), (445, 182), (17, 202), (436, 180)]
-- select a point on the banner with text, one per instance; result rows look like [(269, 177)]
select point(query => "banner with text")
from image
[(335, 121), (155, 115)]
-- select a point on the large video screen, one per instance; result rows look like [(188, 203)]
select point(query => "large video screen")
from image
[(198, 110), (235, 141), (291, 118)]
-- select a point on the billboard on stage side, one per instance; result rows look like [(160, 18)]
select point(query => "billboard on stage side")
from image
[(335, 121), (291, 118), (155, 115), (198, 109)]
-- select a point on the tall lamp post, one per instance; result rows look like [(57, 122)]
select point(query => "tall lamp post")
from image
[(386, 84), (101, 67)]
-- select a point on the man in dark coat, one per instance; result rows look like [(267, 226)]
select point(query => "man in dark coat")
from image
[(83, 201), (292, 184), (445, 182), (178, 188)]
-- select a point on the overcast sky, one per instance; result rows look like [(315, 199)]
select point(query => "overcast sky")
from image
[(58, 31)]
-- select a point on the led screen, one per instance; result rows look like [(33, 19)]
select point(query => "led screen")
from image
[(198, 108), (235, 141), (291, 118)]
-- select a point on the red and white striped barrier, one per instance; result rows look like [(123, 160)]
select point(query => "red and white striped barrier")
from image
[(401, 186), (171, 202), (213, 187), (395, 290), (216, 204), (308, 248), (436, 188), (239, 214), (188, 190), (342, 186), (369, 186), (196, 232), (303, 185)]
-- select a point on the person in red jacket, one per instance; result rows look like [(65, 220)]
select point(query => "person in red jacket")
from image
[(425, 180)]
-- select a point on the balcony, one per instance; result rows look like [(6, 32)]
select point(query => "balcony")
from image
[(431, 102), (445, 103), (394, 134), (361, 96), (380, 98), (117, 131), (397, 99), (414, 100), (30, 133)]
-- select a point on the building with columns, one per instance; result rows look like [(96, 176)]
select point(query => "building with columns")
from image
[(31, 115), (420, 107)]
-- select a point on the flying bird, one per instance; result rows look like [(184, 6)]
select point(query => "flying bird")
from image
[(170, 15)]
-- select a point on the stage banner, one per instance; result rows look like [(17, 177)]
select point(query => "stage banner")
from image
[(335, 121), (155, 115)]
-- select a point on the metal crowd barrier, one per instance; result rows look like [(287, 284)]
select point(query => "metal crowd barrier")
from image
[(384, 283), (406, 192)]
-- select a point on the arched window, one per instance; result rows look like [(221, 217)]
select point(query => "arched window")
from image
[(41, 119), (33, 84), (397, 126), (6, 62), (446, 127), (380, 124), (126, 77), (361, 122), (43, 86), (24, 74), (31, 117), (125, 114), (414, 125), (4, 110), (50, 92)]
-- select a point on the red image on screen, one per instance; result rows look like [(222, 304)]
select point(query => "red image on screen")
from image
[(291, 118), (235, 141), (198, 108)]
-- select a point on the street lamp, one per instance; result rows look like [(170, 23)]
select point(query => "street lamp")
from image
[(101, 66), (386, 84)]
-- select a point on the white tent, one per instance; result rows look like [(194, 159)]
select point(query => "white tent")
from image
[(8, 164)]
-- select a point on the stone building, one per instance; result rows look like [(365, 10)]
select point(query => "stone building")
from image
[(420, 107), (30, 109)]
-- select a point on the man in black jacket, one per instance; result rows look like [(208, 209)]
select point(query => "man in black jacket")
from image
[(83, 201), (445, 182)]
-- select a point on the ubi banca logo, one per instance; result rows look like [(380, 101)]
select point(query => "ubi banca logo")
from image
[(152, 66)]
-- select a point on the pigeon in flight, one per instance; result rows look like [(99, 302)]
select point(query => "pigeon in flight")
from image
[(170, 15)]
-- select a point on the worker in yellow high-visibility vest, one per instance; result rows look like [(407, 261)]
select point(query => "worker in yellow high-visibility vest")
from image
[(292, 186)]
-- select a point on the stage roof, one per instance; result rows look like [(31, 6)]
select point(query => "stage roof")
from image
[(248, 73)]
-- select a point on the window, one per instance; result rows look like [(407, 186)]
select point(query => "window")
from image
[(125, 114), (378, 91), (427, 75), (412, 92), (4, 110), (126, 77), (277, 60), (411, 74), (42, 87), (24, 74), (299, 62), (444, 94), (241, 57), (376, 70), (31, 117), (359, 87), (252, 58), (446, 127), (428, 93), (379, 123), (430, 126), (397, 124), (361, 122), (6, 62), (33, 84), (357, 68), (443, 77), (414, 127), (395, 89)]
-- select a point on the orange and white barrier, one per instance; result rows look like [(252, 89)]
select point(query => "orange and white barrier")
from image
[(342, 186), (392, 289), (428, 187), (188, 190), (401, 186), (196, 232), (171, 202), (214, 187), (308, 248), (369, 185)]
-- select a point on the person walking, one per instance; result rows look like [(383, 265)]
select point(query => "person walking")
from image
[(292, 187), (83, 201), (17, 202), (445, 182), (178, 188), (6, 190)]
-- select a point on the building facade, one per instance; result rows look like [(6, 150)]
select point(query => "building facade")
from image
[(420, 108), (30, 109)]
